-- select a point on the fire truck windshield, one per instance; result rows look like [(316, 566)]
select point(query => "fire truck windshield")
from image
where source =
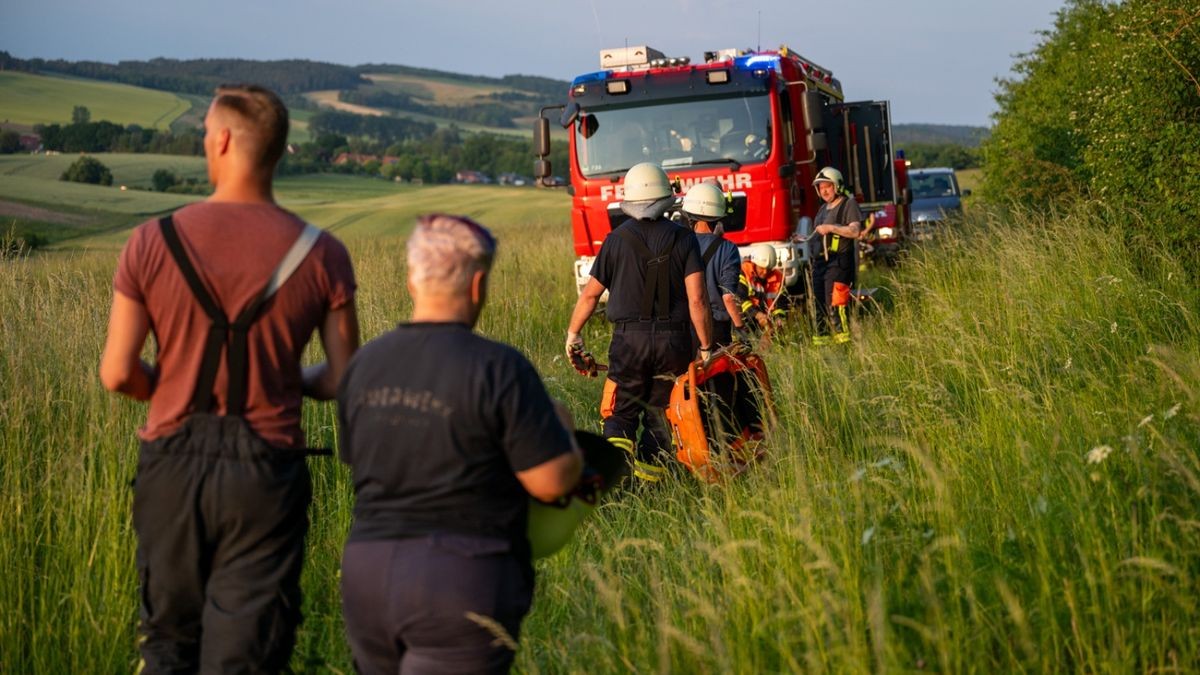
[(675, 134)]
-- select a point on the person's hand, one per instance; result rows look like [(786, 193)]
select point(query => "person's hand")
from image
[(824, 228), (742, 335), (574, 344), (705, 353), (580, 360), (762, 320)]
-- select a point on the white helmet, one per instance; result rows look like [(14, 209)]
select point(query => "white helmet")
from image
[(763, 255), (704, 201), (646, 182), (830, 175)]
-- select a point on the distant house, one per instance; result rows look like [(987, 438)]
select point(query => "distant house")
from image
[(31, 143), (353, 157)]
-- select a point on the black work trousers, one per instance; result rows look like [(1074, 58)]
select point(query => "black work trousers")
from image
[(643, 361), (220, 518), (831, 318), (441, 603)]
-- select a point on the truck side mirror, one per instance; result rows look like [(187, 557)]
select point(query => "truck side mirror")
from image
[(541, 169), (814, 109), (541, 137), (569, 113)]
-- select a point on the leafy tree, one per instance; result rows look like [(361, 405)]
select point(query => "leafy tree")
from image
[(88, 169), (81, 115), (163, 180), (10, 142)]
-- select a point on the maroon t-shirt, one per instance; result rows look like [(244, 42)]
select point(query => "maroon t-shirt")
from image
[(235, 249)]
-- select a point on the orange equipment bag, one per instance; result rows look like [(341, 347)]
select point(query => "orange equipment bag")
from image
[(718, 411)]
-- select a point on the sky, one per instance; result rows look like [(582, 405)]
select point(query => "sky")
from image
[(935, 60)]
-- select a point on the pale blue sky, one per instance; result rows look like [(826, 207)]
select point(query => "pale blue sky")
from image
[(936, 60)]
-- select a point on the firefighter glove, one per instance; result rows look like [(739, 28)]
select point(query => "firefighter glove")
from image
[(581, 360)]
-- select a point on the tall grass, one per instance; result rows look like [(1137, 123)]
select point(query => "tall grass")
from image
[(928, 501)]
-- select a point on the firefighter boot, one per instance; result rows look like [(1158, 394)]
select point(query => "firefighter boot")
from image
[(645, 471)]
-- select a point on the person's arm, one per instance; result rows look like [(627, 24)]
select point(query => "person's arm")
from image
[(585, 306), (735, 312), (339, 337), (848, 231), (698, 308), (121, 367), (731, 273), (556, 477)]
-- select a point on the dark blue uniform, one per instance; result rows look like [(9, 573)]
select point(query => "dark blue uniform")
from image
[(435, 421), (643, 265)]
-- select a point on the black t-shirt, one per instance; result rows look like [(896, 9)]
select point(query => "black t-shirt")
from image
[(620, 268), (841, 249), (434, 422)]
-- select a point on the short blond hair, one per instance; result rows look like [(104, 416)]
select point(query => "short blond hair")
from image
[(445, 252), (263, 120)]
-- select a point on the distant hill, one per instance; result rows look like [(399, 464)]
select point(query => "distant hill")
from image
[(27, 99), (199, 76), (476, 102), (938, 134)]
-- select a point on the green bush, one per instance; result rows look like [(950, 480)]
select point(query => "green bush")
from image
[(88, 170), (1107, 107), (10, 142), (163, 180)]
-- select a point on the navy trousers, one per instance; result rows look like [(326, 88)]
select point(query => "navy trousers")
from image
[(442, 603)]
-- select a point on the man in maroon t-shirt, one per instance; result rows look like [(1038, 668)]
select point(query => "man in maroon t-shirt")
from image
[(222, 490)]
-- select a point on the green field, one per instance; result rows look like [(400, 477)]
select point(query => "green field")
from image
[(133, 170), (27, 99), (1000, 473)]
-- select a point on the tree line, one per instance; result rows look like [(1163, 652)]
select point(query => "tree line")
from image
[(84, 135), (200, 76), (958, 157), (1107, 108), (431, 157)]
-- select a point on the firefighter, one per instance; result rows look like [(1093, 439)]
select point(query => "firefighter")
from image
[(833, 252), (652, 270), (445, 432), (220, 505), (704, 206), (764, 297)]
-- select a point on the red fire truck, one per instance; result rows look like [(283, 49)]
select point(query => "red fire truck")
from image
[(761, 124)]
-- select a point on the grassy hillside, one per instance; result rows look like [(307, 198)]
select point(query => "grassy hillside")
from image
[(329, 99), (133, 170), (39, 99)]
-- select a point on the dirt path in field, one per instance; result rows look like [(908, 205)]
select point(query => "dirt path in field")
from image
[(18, 210), (330, 98)]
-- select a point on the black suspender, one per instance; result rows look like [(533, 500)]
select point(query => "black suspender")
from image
[(220, 330), (712, 250), (657, 288)]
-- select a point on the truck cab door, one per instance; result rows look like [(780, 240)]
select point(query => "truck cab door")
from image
[(860, 140)]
